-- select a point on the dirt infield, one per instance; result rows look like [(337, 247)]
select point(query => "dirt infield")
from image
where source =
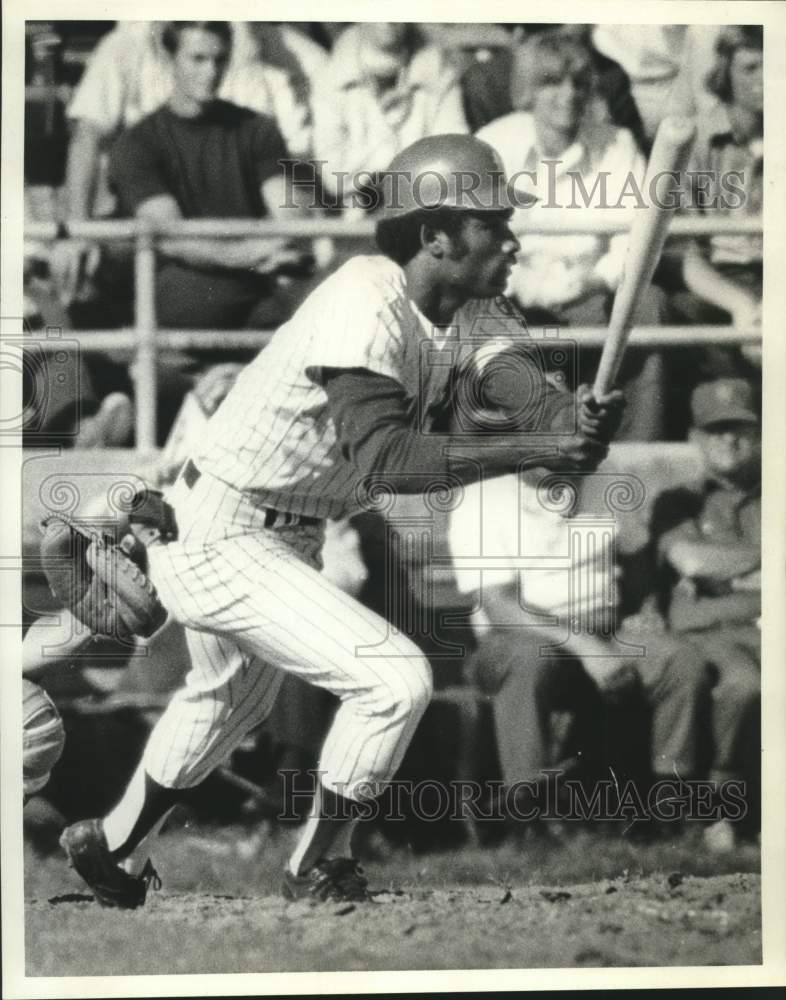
[(703, 921), (592, 902)]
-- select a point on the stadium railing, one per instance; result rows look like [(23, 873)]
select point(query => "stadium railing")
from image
[(145, 339)]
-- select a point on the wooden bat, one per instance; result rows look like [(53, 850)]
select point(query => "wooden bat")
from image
[(671, 149)]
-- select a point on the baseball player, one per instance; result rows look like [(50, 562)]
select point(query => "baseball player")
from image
[(43, 737), (338, 406)]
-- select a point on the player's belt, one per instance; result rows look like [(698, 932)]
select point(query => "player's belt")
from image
[(273, 518)]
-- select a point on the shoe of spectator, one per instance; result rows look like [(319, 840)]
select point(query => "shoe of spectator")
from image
[(330, 880), (720, 838), (111, 427), (88, 854)]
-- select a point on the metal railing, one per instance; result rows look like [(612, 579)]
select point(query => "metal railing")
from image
[(146, 339)]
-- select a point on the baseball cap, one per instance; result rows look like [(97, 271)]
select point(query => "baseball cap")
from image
[(723, 400)]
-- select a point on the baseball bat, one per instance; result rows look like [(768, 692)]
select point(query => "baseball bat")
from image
[(670, 151)]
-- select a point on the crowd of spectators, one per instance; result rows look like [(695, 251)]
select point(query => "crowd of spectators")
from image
[(144, 141), (551, 640), (192, 119)]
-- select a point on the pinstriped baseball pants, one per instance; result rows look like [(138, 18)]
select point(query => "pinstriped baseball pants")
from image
[(254, 604)]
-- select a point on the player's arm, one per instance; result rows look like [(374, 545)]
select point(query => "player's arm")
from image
[(376, 430), (510, 382)]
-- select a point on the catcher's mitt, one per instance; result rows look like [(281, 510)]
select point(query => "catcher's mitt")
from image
[(43, 737), (101, 583)]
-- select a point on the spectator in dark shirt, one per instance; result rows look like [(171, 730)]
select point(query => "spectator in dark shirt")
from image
[(127, 76), (198, 156), (709, 541)]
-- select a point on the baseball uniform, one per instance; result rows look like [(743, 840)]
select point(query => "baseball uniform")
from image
[(246, 583)]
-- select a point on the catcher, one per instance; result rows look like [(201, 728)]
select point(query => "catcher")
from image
[(100, 582), (43, 737)]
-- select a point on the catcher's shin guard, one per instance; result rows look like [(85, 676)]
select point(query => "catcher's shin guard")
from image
[(43, 737)]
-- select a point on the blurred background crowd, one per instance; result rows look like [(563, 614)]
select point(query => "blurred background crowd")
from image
[(168, 120), (99, 142)]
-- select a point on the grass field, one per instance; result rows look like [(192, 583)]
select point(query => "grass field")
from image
[(593, 900)]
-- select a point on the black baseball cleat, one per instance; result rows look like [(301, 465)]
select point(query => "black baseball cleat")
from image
[(337, 880), (88, 854)]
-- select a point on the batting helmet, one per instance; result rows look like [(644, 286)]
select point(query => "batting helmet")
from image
[(447, 171)]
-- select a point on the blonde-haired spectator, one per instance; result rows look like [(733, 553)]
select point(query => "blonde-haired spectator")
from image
[(560, 152), (559, 149)]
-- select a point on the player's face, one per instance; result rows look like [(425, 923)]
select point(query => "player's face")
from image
[(199, 64), (484, 255), (747, 79), (731, 449)]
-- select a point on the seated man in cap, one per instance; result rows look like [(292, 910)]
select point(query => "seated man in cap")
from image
[(709, 542)]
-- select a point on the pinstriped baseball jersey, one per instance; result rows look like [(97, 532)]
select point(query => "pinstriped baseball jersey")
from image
[(251, 598), (272, 436), (255, 604)]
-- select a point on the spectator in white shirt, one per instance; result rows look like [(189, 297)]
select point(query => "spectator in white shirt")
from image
[(382, 90), (564, 152), (551, 638), (666, 64), (277, 46)]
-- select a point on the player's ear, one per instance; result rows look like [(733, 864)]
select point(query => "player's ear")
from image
[(434, 241)]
